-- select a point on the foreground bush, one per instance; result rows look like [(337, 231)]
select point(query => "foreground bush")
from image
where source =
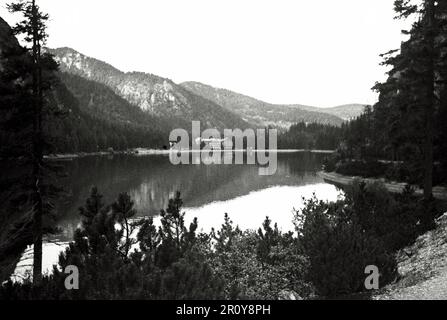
[(259, 265), (121, 257), (365, 228), (138, 260), (167, 264), (339, 249)]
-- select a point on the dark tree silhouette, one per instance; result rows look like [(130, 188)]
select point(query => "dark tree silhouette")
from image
[(33, 28)]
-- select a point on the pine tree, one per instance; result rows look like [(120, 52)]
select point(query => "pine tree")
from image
[(431, 100), (124, 210), (427, 33), (33, 28), (409, 99), (441, 116), (268, 238)]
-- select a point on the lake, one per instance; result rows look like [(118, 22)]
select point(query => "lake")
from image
[(208, 191)]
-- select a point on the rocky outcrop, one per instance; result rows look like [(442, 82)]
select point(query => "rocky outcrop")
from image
[(289, 295), (155, 95), (422, 268)]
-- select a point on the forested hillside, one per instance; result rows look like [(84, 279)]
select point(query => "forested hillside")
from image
[(259, 112), (346, 112), (95, 119), (156, 96), (311, 136), (92, 116)]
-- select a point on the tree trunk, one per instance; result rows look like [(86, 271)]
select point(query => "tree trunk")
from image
[(37, 152), (429, 110)]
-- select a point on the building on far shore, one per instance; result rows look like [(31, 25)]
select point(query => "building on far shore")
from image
[(214, 144)]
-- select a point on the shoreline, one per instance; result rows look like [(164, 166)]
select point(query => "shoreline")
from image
[(337, 179), (144, 152)]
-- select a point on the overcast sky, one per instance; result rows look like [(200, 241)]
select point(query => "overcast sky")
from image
[(322, 53)]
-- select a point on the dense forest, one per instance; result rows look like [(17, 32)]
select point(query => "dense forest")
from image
[(85, 127), (311, 136), (408, 124), (75, 121)]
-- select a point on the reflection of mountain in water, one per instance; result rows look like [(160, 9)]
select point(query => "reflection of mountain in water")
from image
[(292, 171), (152, 180)]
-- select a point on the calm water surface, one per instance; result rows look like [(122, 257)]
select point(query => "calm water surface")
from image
[(208, 192)]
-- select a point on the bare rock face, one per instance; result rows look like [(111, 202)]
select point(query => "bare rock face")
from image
[(442, 220), (289, 295), (155, 95)]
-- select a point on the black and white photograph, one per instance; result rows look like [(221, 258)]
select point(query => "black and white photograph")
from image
[(253, 153)]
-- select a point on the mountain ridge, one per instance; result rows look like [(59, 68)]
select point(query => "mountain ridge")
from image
[(153, 94), (347, 112), (264, 113), (184, 102)]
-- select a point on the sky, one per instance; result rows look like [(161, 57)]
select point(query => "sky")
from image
[(322, 53)]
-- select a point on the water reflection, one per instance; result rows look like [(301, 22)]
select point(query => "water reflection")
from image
[(152, 180), (208, 192)]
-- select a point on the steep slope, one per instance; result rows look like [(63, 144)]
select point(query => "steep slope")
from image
[(101, 102), (10, 246), (259, 112), (97, 119), (7, 40), (155, 95), (422, 268)]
